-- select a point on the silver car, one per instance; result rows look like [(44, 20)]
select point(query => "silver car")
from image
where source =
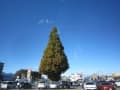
[(8, 85), (42, 84)]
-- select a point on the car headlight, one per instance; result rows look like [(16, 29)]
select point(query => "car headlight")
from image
[(110, 88)]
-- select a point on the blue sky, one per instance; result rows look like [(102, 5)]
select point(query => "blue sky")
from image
[(89, 31)]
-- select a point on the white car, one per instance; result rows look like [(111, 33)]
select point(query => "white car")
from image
[(8, 85), (42, 84), (90, 86), (54, 84), (117, 83)]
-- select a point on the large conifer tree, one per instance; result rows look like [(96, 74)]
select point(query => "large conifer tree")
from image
[(54, 61)]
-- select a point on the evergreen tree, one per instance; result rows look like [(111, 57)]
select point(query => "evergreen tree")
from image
[(54, 61)]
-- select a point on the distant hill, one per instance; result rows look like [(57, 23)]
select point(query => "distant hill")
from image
[(8, 76)]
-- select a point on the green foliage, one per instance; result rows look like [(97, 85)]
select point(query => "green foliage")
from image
[(54, 61), (35, 75)]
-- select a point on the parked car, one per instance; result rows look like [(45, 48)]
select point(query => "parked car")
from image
[(0, 84), (75, 83), (19, 84), (99, 82), (65, 84), (34, 84), (112, 81), (54, 84), (81, 83), (42, 84), (117, 82), (26, 85), (106, 86), (8, 85), (89, 86)]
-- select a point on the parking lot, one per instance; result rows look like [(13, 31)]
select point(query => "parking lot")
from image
[(77, 88)]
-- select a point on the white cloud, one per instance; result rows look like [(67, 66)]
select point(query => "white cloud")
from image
[(45, 21), (41, 21)]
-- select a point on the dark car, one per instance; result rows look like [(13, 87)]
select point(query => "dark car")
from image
[(112, 81), (24, 85), (65, 84), (27, 85), (106, 86)]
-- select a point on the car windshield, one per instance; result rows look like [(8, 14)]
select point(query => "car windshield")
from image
[(112, 81), (10, 82), (4, 82), (100, 82), (41, 82), (106, 83), (53, 82), (90, 83), (117, 80)]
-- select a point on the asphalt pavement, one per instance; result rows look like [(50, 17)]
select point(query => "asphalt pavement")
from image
[(76, 88)]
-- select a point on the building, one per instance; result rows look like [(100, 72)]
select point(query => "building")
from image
[(110, 78), (27, 74), (76, 77), (94, 77), (1, 69), (116, 75)]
